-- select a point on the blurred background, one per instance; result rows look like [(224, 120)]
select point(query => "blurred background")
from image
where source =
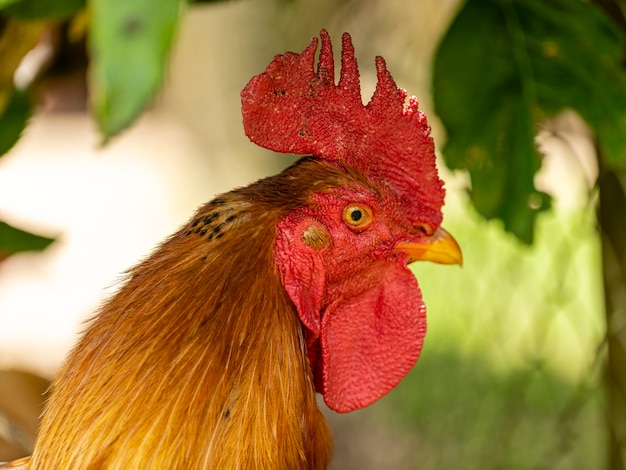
[(510, 375)]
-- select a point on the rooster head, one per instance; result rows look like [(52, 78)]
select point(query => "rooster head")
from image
[(342, 257)]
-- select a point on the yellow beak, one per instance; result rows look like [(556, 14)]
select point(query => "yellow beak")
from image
[(441, 248)]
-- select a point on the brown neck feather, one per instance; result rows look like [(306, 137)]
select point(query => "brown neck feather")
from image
[(198, 361)]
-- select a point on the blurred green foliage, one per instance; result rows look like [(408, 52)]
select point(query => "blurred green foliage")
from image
[(41, 9), (512, 380), (502, 69), (13, 120), (129, 46), (507, 65), (14, 240), (130, 43)]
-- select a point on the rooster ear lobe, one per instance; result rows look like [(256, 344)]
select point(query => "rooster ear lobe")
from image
[(298, 252)]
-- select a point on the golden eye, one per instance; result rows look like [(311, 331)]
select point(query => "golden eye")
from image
[(357, 217)]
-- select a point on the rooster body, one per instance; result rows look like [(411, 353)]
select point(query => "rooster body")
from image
[(171, 379), (211, 353)]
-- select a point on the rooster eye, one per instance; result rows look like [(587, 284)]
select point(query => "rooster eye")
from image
[(357, 217)]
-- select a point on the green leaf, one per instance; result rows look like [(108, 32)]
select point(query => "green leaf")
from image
[(5, 3), (41, 9), (13, 240), (13, 120), (130, 45), (506, 65)]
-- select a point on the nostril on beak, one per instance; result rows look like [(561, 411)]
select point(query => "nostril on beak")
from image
[(425, 228)]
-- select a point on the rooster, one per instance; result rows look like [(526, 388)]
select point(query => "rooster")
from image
[(211, 354)]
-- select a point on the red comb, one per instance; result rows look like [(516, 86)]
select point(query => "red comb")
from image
[(292, 108)]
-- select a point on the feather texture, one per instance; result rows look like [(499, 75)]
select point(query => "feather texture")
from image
[(198, 361)]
